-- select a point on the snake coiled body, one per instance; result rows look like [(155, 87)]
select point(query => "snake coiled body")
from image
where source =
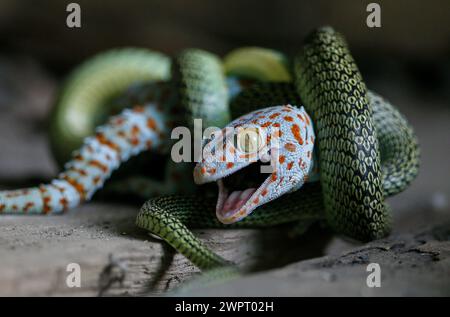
[(365, 149), (331, 86), (329, 83)]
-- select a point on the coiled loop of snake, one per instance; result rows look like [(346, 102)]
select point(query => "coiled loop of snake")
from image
[(366, 149)]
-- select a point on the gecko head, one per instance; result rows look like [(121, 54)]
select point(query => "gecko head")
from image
[(257, 158)]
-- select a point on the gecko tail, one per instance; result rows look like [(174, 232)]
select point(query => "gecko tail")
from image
[(125, 135), (55, 197)]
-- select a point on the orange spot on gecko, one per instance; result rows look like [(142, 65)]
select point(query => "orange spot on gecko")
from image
[(300, 117), (79, 171), (266, 124), (290, 147), (2, 207), (96, 180), (135, 130), (281, 159), (46, 209), (151, 123), (230, 165), (274, 115), (273, 177), (264, 192), (288, 118), (296, 132), (256, 200), (276, 125), (82, 172), (78, 157), (28, 206), (289, 166), (64, 203), (78, 187), (203, 170), (134, 141), (96, 163), (61, 190), (102, 140)]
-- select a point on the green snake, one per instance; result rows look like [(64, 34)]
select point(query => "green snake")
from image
[(340, 149)]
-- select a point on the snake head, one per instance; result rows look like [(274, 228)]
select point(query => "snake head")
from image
[(257, 158)]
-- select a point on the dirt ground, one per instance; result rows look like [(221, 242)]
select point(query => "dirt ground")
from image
[(35, 251)]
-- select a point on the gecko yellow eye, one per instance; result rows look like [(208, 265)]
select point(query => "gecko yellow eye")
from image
[(249, 140)]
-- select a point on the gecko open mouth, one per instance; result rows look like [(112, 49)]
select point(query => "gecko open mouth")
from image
[(236, 190)]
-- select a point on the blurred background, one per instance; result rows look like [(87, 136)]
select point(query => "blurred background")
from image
[(407, 61)]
